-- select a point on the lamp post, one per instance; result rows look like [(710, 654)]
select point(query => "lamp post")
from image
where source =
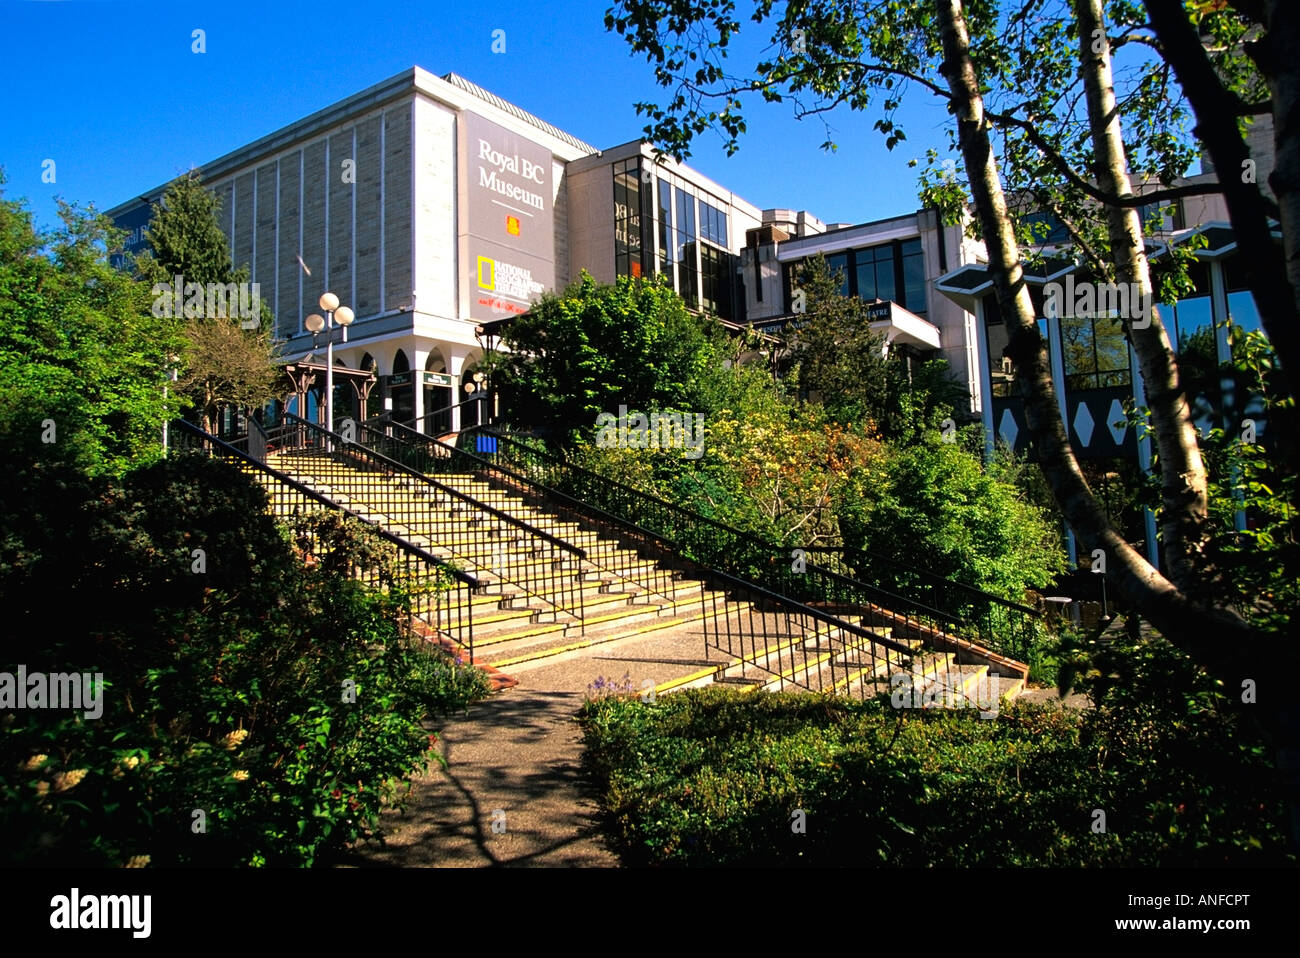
[(343, 316), (487, 339), (172, 360)]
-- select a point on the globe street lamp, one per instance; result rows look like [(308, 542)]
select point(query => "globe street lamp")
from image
[(334, 313)]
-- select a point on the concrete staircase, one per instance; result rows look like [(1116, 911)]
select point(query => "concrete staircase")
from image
[(625, 618)]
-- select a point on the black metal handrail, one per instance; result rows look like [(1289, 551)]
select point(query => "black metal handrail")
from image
[(413, 424), (852, 557), (447, 454), (734, 623), (973, 591), (352, 446), (257, 439), (425, 454), (445, 611), (512, 550), (998, 624)]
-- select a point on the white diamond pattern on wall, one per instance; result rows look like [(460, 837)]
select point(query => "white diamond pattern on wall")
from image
[(1116, 422), (1007, 428), (1083, 424)]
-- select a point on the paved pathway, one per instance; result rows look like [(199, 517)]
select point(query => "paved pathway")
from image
[(518, 751)]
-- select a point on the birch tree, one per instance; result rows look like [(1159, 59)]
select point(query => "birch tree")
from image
[(868, 55)]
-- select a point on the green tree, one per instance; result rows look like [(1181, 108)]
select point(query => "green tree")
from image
[(596, 347), (847, 366), (226, 362), (82, 360), (838, 357), (931, 504)]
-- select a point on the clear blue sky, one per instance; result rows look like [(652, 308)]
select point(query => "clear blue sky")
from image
[(111, 91)]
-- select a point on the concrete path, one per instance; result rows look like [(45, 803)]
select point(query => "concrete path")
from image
[(520, 752)]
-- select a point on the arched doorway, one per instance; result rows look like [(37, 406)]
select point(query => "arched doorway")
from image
[(401, 389), (438, 395), (374, 401), (344, 398)]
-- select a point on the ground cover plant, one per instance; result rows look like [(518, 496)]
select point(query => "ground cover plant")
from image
[(717, 777)]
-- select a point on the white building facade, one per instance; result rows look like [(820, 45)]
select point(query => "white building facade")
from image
[(430, 207)]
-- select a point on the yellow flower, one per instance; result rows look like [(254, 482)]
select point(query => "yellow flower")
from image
[(240, 775), (68, 780), (234, 739), (137, 861), (35, 762)]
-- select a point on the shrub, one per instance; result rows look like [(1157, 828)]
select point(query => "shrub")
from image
[(600, 346), (228, 691), (933, 505), (714, 777)]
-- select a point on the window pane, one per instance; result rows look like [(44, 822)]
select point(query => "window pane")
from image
[(686, 215), (627, 220), (1095, 352), (666, 244), (722, 230), (839, 263), (1195, 320), (1077, 346), (867, 279), (885, 287), (1243, 312), (914, 283), (1112, 347), (1000, 372), (1241, 304)]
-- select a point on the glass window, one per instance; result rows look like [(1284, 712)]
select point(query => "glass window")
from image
[(914, 291), (1046, 228), (1194, 316), (713, 223), (875, 273), (1198, 351), (1241, 303), (666, 244), (839, 263), (1095, 352), (627, 218), (686, 214), (998, 337), (1161, 217), (715, 280), (689, 286), (687, 244)]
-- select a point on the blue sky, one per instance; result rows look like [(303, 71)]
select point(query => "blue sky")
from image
[(111, 91)]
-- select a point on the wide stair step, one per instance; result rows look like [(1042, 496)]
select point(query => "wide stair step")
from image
[(620, 607)]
